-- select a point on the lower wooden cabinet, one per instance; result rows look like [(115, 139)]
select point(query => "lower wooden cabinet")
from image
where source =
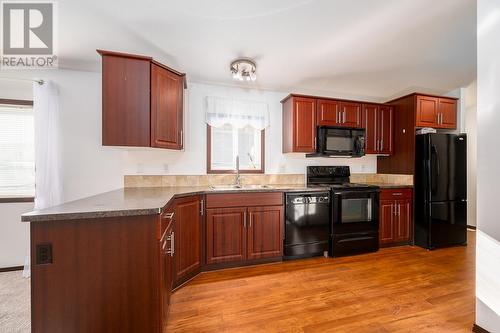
[(226, 235), (188, 232), (244, 233), (395, 216), (264, 232)]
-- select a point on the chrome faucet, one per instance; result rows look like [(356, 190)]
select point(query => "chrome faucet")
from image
[(237, 181)]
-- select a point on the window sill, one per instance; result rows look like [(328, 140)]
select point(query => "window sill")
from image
[(13, 199)]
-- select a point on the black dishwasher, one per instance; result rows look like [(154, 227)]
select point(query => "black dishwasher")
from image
[(307, 224)]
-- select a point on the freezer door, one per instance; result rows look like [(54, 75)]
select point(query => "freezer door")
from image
[(448, 163), (448, 223)]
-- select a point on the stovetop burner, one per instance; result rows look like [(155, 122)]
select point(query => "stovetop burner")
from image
[(334, 177)]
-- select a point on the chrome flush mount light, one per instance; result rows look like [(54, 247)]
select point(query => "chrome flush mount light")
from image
[(243, 69)]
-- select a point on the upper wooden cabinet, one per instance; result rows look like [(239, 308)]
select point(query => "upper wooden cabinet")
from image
[(125, 100), (378, 123), (436, 112), (142, 102), (167, 91), (299, 125), (328, 112), (337, 113), (350, 114)]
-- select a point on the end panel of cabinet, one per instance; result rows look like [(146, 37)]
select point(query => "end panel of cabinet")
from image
[(167, 94), (287, 126), (402, 159), (125, 101), (108, 263)]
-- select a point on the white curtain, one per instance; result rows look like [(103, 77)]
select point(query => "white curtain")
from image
[(239, 113), (48, 173)]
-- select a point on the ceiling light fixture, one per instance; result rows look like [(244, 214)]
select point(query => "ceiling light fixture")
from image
[(243, 69)]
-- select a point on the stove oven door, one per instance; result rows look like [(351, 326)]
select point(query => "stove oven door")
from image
[(355, 211)]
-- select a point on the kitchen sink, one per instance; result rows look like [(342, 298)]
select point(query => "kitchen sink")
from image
[(238, 187)]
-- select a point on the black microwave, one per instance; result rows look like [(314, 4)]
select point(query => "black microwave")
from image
[(339, 142)]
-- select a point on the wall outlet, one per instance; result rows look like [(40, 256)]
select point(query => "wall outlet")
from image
[(165, 167), (43, 254)]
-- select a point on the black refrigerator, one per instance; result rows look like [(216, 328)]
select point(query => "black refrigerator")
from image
[(440, 190)]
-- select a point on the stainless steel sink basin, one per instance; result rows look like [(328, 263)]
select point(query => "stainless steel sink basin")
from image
[(238, 187)]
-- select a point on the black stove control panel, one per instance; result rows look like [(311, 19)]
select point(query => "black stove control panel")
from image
[(330, 171)]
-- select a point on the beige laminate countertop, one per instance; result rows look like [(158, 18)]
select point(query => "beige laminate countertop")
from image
[(137, 201)]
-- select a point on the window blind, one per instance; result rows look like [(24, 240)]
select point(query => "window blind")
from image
[(17, 153)]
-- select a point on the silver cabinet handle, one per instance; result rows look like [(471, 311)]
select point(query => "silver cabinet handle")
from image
[(392, 209), (171, 238), (169, 215), (397, 193), (182, 137), (381, 144), (250, 221), (399, 209), (337, 116), (245, 219), (343, 117), (202, 204), (315, 144)]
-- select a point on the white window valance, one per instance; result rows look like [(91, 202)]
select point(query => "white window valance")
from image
[(239, 113)]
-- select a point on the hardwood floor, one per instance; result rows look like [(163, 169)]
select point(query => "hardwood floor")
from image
[(402, 289)]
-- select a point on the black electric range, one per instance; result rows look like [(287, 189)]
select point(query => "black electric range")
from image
[(354, 210)]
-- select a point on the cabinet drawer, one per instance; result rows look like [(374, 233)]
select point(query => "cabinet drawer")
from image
[(244, 199), (396, 193)]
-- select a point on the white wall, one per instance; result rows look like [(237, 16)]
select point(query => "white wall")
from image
[(488, 166), (193, 160), (14, 235)]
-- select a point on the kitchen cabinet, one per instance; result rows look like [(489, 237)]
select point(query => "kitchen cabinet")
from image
[(410, 113), (265, 232), (338, 113), (243, 228), (188, 237), (125, 100), (378, 123), (350, 114), (166, 269), (167, 90), (395, 216), (328, 112), (436, 112), (299, 125), (142, 102), (226, 235)]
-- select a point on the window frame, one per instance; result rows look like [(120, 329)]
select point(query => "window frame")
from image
[(233, 171), (15, 199)]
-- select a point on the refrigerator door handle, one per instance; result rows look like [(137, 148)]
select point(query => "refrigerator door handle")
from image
[(434, 166)]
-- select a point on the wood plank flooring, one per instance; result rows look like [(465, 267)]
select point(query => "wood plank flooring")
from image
[(401, 289)]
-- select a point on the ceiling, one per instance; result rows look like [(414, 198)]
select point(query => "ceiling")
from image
[(376, 48)]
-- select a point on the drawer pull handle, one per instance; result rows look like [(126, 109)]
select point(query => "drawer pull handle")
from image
[(169, 216), (399, 193)]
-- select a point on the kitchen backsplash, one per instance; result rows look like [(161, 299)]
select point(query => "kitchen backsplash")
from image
[(276, 179)]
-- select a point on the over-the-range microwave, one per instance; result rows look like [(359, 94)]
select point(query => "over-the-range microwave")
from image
[(339, 142)]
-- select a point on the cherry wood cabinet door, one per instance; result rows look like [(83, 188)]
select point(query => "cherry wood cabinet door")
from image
[(427, 111), (188, 230), (125, 101), (328, 112), (226, 235), (447, 110), (369, 121), (385, 129), (350, 114), (304, 125), (265, 232), (403, 222), (167, 91), (386, 226)]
